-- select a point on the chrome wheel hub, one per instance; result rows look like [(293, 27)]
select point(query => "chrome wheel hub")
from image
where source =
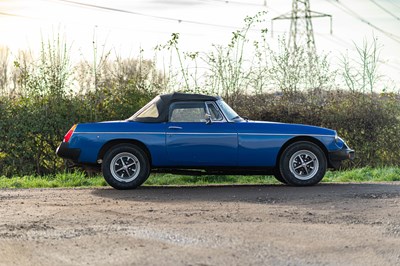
[(125, 167), (304, 164)]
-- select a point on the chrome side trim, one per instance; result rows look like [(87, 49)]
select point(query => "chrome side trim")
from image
[(122, 133), (206, 133), (199, 133), (279, 134), (159, 133)]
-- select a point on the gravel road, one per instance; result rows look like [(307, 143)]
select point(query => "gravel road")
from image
[(328, 224)]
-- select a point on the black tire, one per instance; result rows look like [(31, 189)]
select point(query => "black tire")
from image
[(279, 177), (125, 166), (302, 163)]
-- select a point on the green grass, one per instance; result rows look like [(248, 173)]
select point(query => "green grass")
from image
[(366, 174), (170, 179), (59, 180), (77, 179)]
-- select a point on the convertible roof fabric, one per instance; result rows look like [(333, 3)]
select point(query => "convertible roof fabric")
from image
[(165, 100), (176, 96)]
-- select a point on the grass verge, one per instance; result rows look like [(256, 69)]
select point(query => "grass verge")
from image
[(78, 179), (366, 174)]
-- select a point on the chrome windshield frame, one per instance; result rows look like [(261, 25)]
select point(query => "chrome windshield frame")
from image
[(218, 109), (219, 104)]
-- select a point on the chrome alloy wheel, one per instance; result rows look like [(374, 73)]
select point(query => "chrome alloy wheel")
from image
[(125, 167), (304, 164)]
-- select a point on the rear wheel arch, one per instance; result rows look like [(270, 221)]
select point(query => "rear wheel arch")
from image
[(107, 146)]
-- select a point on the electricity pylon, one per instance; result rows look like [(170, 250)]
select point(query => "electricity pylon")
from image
[(301, 28)]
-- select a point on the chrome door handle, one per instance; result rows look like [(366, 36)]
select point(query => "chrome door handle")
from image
[(174, 127)]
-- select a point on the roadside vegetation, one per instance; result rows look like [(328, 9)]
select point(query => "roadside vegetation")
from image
[(79, 179), (42, 96)]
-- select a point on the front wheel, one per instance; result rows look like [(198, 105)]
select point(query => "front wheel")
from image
[(125, 166), (278, 176), (302, 164)]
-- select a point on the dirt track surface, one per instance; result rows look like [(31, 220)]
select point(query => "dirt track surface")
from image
[(329, 224)]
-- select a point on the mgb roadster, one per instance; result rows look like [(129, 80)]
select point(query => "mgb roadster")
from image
[(200, 134)]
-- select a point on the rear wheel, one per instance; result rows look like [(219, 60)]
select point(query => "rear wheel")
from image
[(302, 164), (125, 166)]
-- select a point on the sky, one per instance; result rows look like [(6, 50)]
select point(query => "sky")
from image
[(129, 25)]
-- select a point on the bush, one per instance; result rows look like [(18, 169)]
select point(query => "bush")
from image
[(36, 117)]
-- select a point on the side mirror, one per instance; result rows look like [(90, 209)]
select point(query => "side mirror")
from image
[(208, 118)]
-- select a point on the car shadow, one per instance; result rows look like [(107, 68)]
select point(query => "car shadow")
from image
[(254, 193)]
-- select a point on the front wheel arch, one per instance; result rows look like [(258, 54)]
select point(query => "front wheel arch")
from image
[(299, 139)]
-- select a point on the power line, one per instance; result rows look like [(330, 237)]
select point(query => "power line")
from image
[(233, 2), (93, 6), (337, 40), (331, 39), (393, 2), (350, 12), (385, 9), (389, 64), (14, 15), (73, 23), (341, 42)]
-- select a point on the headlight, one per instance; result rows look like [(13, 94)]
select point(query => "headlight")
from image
[(339, 142)]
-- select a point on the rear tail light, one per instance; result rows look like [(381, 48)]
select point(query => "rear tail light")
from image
[(69, 133)]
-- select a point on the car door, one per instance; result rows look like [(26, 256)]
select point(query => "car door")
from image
[(192, 139)]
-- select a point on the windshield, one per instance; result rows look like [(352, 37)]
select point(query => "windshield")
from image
[(150, 110), (227, 110)]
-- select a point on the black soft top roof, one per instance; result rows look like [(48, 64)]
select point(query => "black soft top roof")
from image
[(164, 101), (177, 96)]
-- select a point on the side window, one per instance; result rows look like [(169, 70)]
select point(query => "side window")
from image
[(214, 112), (150, 112), (187, 112)]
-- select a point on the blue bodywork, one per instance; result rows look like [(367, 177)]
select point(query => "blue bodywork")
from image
[(216, 139), (196, 144)]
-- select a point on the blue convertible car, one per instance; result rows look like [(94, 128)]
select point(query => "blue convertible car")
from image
[(199, 134)]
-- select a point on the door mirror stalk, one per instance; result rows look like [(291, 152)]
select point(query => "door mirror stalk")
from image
[(208, 118)]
